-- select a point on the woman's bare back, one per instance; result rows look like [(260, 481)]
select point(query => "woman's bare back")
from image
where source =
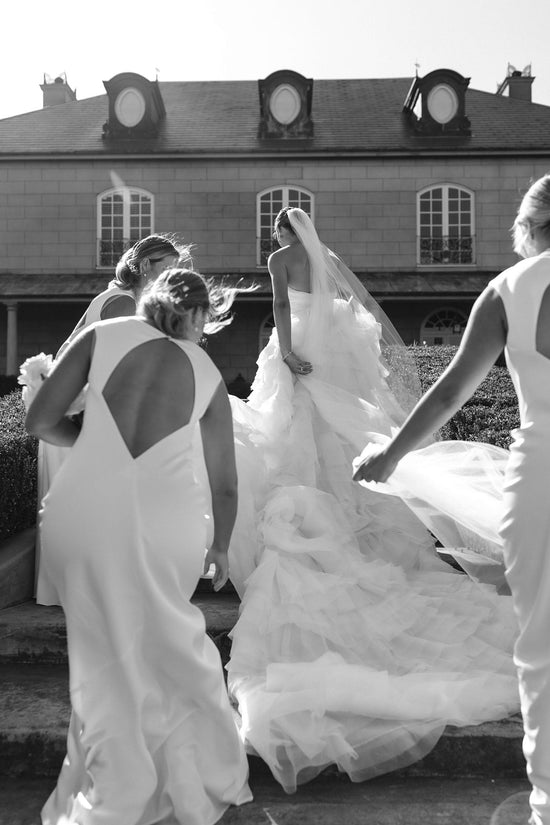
[(150, 393), (295, 260)]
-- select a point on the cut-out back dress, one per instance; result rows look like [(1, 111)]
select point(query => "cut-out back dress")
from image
[(152, 736)]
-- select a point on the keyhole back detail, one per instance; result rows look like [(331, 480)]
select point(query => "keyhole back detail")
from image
[(150, 394), (542, 338)]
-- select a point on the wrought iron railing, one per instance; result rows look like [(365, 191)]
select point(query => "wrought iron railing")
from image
[(109, 252), (265, 247), (446, 250)]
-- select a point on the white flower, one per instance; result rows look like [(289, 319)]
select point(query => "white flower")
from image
[(33, 372)]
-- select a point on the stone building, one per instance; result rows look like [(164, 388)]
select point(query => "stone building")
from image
[(414, 182)]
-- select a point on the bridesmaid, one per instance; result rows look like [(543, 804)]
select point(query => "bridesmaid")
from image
[(137, 267), (513, 313), (152, 736)]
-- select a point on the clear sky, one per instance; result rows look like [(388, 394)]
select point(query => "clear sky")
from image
[(92, 40)]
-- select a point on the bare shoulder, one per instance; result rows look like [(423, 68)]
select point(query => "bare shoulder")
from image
[(487, 323), (278, 259), (118, 305), (490, 303)]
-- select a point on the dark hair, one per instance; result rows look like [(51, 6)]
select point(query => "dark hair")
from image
[(169, 299), (283, 220), (127, 273)]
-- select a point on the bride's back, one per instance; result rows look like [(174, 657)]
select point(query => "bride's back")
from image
[(297, 266)]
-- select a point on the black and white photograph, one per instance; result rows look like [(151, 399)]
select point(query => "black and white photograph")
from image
[(275, 413)]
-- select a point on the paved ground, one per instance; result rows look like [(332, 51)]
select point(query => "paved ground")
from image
[(325, 801)]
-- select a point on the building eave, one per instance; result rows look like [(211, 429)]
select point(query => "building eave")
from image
[(409, 285), (255, 156)]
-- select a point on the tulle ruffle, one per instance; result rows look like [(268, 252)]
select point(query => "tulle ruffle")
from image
[(356, 644), (466, 521), (361, 664)]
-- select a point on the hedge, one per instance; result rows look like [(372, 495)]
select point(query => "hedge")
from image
[(492, 411), (488, 416), (18, 468)]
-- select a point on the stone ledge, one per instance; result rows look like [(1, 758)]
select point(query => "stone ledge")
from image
[(35, 633), (34, 714), (17, 568)]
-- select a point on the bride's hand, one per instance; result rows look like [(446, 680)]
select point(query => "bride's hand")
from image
[(377, 466), (296, 365), (220, 561)]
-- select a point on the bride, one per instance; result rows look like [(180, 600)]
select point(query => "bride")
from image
[(356, 645)]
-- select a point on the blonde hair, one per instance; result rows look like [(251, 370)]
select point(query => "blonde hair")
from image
[(534, 212), (177, 293), (127, 272)]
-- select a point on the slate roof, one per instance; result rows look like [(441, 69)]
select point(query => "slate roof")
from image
[(222, 117)]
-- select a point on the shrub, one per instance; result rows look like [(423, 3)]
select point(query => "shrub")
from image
[(490, 413), (18, 468), (488, 416)]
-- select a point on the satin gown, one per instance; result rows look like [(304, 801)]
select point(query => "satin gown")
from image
[(50, 456), (152, 737), (356, 645), (525, 526)]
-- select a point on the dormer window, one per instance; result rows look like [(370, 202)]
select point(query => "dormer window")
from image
[(136, 108), (442, 103), (285, 106), (436, 105), (130, 107)]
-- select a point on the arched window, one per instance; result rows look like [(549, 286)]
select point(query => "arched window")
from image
[(269, 203), (445, 226), (444, 326), (123, 217), (266, 328)]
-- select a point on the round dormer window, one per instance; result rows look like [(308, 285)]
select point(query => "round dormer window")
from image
[(285, 104), (130, 107), (442, 103)]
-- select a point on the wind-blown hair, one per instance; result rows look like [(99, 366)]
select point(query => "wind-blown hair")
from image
[(127, 272), (170, 299), (534, 212)]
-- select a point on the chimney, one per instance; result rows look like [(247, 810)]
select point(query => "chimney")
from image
[(56, 91), (518, 83)]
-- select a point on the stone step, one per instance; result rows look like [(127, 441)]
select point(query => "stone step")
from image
[(34, 714), (327, 800), (31, 633)]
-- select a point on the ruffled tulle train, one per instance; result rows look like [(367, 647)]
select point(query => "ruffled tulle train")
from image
[(356, 644)]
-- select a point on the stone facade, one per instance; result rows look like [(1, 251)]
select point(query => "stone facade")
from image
[(365, 207)]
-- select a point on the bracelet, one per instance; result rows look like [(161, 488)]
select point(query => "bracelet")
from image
[(284, 357)]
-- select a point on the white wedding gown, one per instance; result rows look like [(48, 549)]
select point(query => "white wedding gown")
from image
[(356, 644)]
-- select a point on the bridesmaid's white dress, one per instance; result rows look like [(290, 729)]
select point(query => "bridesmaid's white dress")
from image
[(525, 529), (51, 456), (356, 644), (152, 736)]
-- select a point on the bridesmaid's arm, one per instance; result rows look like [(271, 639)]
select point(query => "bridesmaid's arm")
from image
[(482, 343), (121, 305), (219, 456), (46, 417)]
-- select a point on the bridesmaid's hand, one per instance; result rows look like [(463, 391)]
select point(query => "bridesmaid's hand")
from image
[(220, 561), (377, 466), (296, 365)]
